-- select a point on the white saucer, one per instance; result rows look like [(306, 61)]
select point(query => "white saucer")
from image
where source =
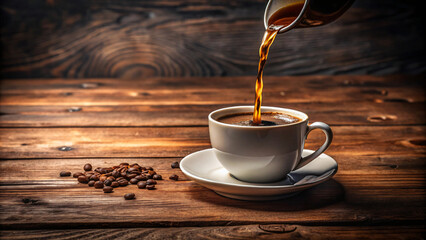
[(206, 170)]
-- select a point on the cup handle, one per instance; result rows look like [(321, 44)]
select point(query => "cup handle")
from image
[(329, 137)]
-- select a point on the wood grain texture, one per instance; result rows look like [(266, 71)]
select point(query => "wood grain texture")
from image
[(373, 114), (281, 231), (133, 39), (361, 193), (392, 100), (52, 125), (180, 141)]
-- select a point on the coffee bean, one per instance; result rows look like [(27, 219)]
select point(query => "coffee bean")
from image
[(149, 168), (174, 177), (65, 174), (123, 174), (150, 187), (157, 177), (82, 179), (102, 178), (115, 173), (107, 182), (115, 184), (149, 176), (87, 167), (151, 172), (141, 185), (91, 183), (124, 164), (76, 175), (123, 183), (94, 177), (88, 174), (175, 165), (108, 189), (119, 178), (141, 178), (130, 176), (132, 169), (99, 184), (111, 178), (134, 181), (129, 196), (151, 182)]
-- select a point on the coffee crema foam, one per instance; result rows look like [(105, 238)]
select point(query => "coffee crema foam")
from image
[(268, 119)]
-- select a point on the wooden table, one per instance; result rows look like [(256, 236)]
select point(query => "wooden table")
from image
[(51, 125)]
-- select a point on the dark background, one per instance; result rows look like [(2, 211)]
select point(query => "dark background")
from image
[(136, 39)]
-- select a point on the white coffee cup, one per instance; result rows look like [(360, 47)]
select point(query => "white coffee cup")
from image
[(263, 153)]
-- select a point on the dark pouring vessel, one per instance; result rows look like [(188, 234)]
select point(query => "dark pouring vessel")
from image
[(313, 13)]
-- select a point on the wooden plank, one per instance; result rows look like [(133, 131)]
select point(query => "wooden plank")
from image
[(130, 39), (158, 101), (385, 113), (178, 141), (379, 84), (37, 171), (277, 231), (176, 91), (32, 195), (187, 101)]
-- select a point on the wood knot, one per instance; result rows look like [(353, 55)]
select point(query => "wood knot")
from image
[(74, 109), (29, 201), (376, 92), (347, 82), (414, 143), (65, 148), (145, 94), (89, 85), (278, 228), (67, 93), (282, 93), (362, 218), (394, 100), (418, 142), (382, 118)]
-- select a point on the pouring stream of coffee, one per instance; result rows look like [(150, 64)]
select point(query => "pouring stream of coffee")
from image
[(281, 18)]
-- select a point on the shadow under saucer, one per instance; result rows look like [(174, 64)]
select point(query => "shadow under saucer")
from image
[(322, 195)]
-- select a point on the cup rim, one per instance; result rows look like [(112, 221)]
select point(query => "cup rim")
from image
[(305, 117)]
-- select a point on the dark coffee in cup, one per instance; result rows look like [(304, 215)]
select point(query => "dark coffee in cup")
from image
[(268, 119)]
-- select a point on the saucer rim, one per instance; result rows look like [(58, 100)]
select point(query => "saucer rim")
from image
[(259, 185)]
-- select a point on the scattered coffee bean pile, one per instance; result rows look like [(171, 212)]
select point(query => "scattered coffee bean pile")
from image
[(119, 176)]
